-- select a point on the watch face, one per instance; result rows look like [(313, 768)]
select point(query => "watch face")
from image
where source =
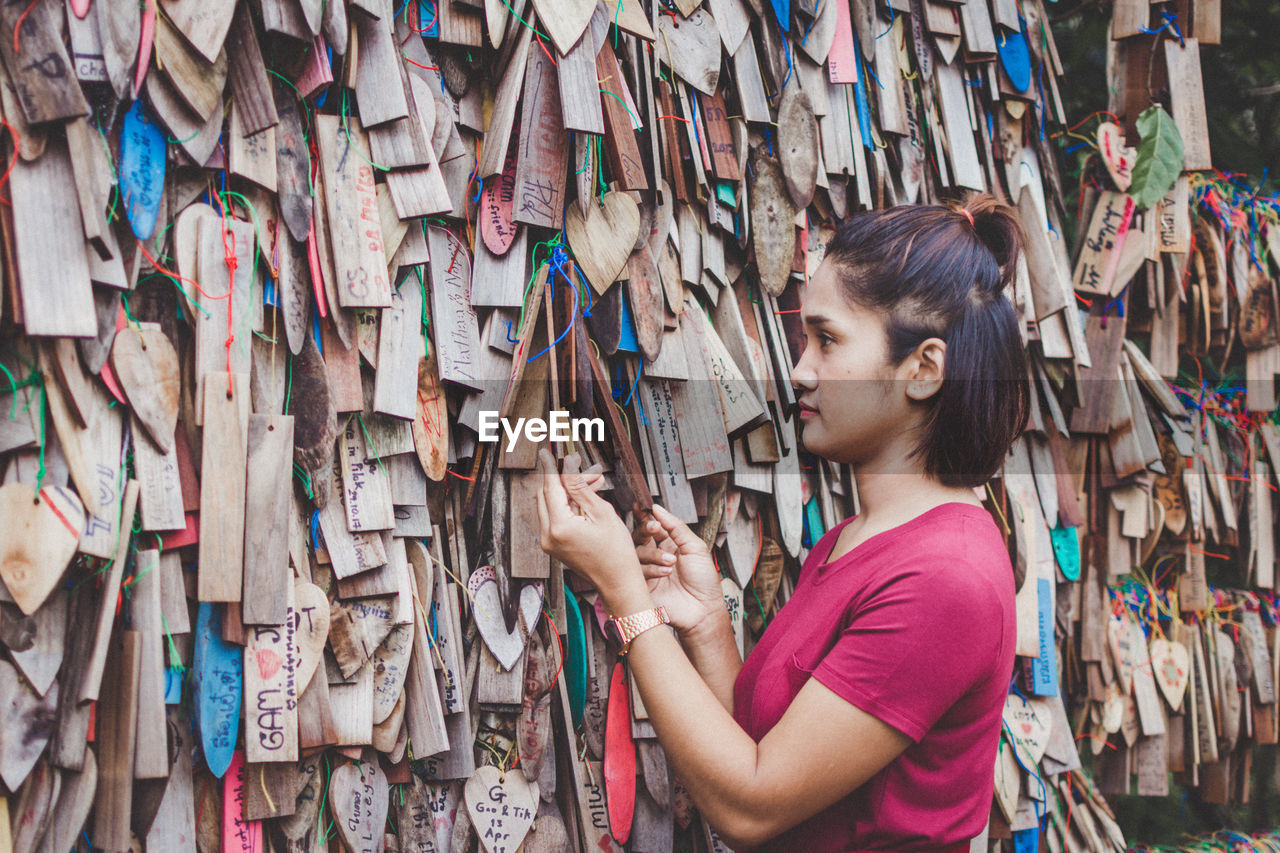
[(611, 632)]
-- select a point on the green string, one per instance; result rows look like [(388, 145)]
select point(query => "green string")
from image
[(305, 478), (351, 146), (175, 660), (426, 316), (522, 20), (369, 440)]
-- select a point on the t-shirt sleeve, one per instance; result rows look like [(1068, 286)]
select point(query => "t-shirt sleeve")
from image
[(913, 647)]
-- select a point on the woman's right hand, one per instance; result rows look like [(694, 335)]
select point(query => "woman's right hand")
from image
[(681, 574)]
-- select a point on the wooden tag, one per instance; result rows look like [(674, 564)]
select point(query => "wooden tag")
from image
[(798, 144), (644, 289), (496, 202), (565, 21), (506, 646), (501, 807), (1008, 779), (602, 241), (37, 642), (222, 488), (271, 688), (1029, 721), (1100, 254), (146, 364), (390, 667), (621, 148), (27, 720), (49, 226), (1115, 155), (773, 233), (38, 64), (355, 230), (1124, 656), (542, 149), (39, 537), (218, 679), (691, 48), (359, 797), (366, 488), (356, 629), (1172, 666), (455, 330), (310, 629)]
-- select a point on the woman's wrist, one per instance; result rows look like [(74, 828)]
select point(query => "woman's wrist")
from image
[(710, 628)]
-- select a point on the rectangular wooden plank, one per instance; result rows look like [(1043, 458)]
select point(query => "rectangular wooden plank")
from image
[(528, 560), (151, 758), (57, 299), (400, 347), (251, 154), (355, 232), (223, 320), (952, 100), (271, 658), (719, 138), (91, 680), (117, 734), (498, 136), (379, 96), (269, 483), (455, 329), (222, 487), (543, 148), (621, 147), (366, 488), (664, 439), (1103, 240), (579, 91), (1186, 97)]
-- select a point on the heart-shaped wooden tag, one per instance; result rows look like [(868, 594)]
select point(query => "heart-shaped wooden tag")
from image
[(1008, 779), (1117, 157), (773, 232), (390, 668), (798, 144), (691, 46), (602, 241), (146, 365), (27, 721), (359, 797), (38, 538), (1172, 665), (506, 646), (1112, 710), (501, 807), (1029, 720), (310, 629), (565, 20)]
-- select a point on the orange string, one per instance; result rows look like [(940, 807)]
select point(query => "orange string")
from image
[(17, 27)]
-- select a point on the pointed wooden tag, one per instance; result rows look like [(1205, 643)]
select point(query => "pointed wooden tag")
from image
[(38, 538), (501, 807), (565, 20), (146, 364)]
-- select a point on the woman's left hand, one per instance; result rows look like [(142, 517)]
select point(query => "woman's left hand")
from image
[(595, 544)]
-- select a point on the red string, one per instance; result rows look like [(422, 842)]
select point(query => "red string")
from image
[(175, 276), (420, 65), (559, 644), (13, 161), (460, 476), (17, 27)]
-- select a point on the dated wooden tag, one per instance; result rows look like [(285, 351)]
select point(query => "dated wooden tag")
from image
[(357, 628), (218, 679), (39, 537), (501, 806), (506, 646), (1100, 254), (359, 797), (146, 364), (603, 239), (455, 330)]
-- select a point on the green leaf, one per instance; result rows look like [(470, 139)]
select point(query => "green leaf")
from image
[(1159, 160)]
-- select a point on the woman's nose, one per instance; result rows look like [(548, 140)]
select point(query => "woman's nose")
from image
[(802, 375)]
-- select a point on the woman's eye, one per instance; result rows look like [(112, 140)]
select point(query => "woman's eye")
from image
[(824, 339)]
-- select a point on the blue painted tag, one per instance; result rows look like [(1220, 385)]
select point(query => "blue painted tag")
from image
[(142, 159), (1027, 840), (1066, 547), (860, 99), (627, 332), (172, 686), (782, 11), (428, 20), (1044, 667), (725, 194), (1016, 59), (813, 529), (219, 682)]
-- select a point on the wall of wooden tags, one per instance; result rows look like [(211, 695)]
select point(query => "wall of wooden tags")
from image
[(268, 264)]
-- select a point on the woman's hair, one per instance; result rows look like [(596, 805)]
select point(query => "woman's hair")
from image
[(940, 271)]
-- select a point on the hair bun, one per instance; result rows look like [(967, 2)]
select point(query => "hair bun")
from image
[(997, 226)]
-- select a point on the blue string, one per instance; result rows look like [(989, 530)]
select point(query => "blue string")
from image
[(1170, 22), (892, 16), (315, 528), (510, 339), (559, 258)]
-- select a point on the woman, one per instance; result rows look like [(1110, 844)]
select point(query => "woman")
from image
[(867, 717)]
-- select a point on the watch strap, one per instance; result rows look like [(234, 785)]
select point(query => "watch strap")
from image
[(632, 626)]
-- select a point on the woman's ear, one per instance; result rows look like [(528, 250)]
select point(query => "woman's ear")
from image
[(925, 369)]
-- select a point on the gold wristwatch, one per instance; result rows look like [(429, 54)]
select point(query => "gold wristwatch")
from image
[(627, 628)]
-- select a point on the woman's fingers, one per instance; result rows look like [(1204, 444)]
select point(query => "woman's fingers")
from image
[(654, 555), (649, 529), (684, 538)]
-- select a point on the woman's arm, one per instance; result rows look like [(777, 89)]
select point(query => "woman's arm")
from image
[(713, 651), (821, 750)]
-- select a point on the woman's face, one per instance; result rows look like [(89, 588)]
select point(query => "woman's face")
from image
[(853, 404)]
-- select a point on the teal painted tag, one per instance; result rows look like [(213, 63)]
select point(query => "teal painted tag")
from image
[(1066, 547)]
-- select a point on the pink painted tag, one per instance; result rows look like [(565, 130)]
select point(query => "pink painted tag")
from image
[(496, 206), (238, 835), (1122, 231), (316, 72), (144, 44), (842, 61)]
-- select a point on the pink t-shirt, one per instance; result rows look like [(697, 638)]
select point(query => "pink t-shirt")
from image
[(915, 626)]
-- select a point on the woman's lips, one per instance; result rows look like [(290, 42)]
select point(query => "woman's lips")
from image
[(807, 411)]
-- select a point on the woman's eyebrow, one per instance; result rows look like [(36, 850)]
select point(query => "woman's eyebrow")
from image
[(814, 320)]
